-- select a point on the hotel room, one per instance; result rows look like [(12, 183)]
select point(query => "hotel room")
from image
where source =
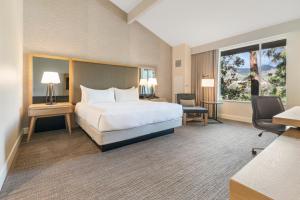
[(150, 99)]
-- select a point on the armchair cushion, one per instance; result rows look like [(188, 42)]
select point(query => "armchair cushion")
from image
[(187, 103)]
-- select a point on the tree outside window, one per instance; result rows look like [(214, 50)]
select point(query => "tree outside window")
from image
[(254, 70)]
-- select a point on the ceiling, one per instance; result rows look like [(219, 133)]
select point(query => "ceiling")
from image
[(197, 22), (126, 5)]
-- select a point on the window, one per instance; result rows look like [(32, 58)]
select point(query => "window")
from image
[(258, 69), (147, 73), (273, 70)]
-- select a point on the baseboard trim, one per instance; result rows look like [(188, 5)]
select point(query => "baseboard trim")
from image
[(8, 162), (25, 130), (236, 118)]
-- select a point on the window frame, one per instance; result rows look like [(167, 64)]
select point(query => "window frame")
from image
[(240, 45), (143, 67)]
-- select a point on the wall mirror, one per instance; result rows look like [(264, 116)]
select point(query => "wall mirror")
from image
[(60, 67), (148, 81)]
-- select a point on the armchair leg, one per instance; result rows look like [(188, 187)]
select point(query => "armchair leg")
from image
[(184, 119), (205, 119)]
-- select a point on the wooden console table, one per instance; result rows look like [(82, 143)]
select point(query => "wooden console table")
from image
[(274, 173)]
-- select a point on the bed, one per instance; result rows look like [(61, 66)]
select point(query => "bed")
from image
[(118, 122), (112, 125)]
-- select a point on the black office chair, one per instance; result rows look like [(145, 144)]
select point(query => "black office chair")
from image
[(264, 108)]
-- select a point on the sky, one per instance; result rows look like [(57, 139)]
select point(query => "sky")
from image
[(264, 60)]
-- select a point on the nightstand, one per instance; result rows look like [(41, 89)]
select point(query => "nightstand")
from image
[(36, 111), (160, 99)]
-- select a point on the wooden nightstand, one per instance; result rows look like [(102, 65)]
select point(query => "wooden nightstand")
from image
[(36, 111), (160, 99)]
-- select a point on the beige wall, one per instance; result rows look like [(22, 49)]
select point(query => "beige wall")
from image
[(10, 81), (94, 29), (242, 111), (181, 80), (251, 36)]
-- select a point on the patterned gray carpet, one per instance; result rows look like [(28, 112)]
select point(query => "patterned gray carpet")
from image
[(195, 162)]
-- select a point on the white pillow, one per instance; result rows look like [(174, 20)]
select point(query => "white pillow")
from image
[(125, 95), (92, 96)]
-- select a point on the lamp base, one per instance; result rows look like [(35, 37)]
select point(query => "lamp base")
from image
[(50, 95)]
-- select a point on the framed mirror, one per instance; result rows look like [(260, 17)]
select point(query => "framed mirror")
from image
[(148, 81), (41, 66)]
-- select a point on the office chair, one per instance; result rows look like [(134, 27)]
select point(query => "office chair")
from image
[(264, 108)]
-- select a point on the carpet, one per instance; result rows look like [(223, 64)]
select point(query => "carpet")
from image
[(196, 162)]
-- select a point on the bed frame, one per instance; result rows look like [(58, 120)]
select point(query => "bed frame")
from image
[(113, 139), (114, 145)]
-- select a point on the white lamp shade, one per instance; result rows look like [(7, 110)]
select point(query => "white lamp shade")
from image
[(143, 82), (50, 77), (152, 81), (208, 82)]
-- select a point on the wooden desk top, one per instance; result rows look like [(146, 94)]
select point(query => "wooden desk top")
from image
[(273, 174), (290, 117)]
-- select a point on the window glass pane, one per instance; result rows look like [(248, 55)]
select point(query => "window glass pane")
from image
[(235, 76), (241, 75), (143, 73), (273, 72)]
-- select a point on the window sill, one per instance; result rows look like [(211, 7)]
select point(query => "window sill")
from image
[(243, 102), (235, 101)]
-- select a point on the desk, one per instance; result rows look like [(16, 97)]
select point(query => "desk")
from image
[(274, 173), (290, 117)]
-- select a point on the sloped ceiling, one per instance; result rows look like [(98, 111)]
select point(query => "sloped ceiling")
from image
[(197, 22), (126, 5)]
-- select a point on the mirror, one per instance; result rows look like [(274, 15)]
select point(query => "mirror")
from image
[(41, 65), (147, 76)]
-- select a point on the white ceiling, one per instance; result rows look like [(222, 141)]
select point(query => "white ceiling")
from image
[(126, 5), (197, 22)]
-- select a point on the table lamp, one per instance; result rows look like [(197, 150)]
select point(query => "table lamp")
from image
[(152, 82), (207, 83), (50, 78), (143, 83)]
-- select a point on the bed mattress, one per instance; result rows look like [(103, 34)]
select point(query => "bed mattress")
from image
[(106, 117)]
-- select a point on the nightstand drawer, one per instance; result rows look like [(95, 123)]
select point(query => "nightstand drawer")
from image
[(49, 112)]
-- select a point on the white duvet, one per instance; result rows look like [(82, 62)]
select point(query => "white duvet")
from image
[(125, 115)]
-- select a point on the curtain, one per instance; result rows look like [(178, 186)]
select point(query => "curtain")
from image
[(204, 65)]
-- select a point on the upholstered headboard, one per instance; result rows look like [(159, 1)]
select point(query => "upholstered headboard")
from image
[(101, 76)]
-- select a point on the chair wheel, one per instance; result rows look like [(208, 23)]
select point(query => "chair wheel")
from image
[(259, 135), (254, 152)]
